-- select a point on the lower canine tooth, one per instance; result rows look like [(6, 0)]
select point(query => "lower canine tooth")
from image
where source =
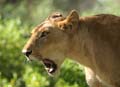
[(51, 69), (27, 59)]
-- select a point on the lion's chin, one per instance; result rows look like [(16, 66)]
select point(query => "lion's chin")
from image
[(50, 66)]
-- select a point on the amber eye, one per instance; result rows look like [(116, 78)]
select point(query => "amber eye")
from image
[(44, 34)]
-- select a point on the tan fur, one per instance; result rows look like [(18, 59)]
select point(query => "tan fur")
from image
[(92, 41)]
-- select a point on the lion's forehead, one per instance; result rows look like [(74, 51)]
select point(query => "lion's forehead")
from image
[(51, 21), (42, 27)]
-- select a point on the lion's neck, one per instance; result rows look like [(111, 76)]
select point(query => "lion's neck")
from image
[(78, 48)]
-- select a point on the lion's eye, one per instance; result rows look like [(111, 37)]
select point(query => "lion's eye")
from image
[(56, 16), (45, 33)]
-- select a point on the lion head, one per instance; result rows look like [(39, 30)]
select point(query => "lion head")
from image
[(49, 41)]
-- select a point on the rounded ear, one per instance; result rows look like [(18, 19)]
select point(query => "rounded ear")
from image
[(73, 16), (70, 22)]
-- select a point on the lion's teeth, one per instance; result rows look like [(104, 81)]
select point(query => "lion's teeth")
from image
[(51, 69), (28, 59)]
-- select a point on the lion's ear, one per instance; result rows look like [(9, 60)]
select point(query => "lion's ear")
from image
[(71, 21), (73, 16)]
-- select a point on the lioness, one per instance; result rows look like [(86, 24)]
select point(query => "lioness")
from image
[(92, 41)]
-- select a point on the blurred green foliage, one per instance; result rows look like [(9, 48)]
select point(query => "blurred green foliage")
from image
[(17, 18)]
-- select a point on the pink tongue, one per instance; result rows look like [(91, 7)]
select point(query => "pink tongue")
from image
[(46, 61)]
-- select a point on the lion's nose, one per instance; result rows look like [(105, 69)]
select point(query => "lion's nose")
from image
[(26, 53)]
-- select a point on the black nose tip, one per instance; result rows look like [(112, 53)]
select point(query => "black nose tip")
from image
[(27, 53)]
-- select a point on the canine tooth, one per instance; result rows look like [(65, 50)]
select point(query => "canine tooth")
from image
[(27, 58), (51, 69)]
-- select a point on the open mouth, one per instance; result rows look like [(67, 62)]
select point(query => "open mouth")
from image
[(50, 66)]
